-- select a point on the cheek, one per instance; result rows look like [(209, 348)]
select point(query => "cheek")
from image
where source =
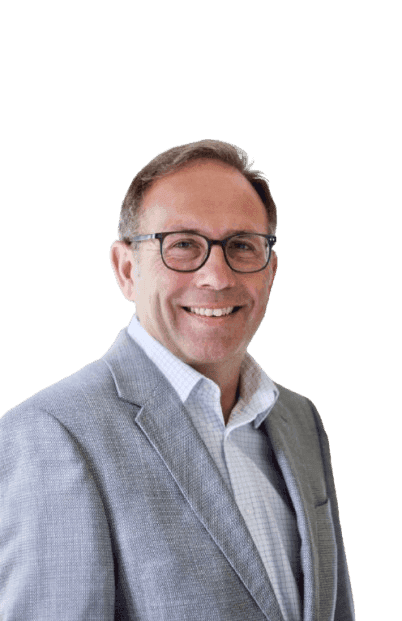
[(166, 289), (261, 292), (148, 277)]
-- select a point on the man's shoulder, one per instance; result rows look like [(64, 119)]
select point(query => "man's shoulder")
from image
[(71, 391), (299, 409), (291, 398), (90, 389)]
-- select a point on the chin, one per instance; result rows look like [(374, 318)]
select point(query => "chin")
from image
[(210, 354)]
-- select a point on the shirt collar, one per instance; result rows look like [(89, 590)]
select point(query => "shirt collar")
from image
[(258, 393), (180, 375)]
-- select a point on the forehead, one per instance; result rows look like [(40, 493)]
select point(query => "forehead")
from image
[(204, 195)]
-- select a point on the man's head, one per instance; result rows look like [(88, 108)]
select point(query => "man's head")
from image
[(214, 198)]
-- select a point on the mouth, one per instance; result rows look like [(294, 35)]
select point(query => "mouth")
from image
[(205, 311)]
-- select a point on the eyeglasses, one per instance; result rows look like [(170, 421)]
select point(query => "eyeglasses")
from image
[(185, 251)]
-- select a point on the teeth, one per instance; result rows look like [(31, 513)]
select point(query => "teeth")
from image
[(212, 312)]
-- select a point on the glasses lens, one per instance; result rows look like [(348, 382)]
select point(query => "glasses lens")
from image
[(247, 253), (184, 251)]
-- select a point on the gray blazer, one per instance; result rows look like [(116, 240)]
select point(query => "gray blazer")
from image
[(112, 508)]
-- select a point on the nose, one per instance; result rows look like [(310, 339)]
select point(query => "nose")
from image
[(216, 273)]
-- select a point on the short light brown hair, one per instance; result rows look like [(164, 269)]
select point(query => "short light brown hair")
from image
[(176, 158)]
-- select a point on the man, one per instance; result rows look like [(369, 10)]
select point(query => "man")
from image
[(172, 479)]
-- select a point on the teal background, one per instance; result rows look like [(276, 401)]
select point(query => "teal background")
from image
[(311, 90)]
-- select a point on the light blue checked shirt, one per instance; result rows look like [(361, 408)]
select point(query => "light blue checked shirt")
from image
[(242, 453)]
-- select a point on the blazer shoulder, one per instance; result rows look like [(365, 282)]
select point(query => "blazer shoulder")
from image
[(299, 408), (101, 391), (72, 392), (292, 399)]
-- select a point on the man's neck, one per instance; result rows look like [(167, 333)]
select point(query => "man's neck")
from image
[(227, 377)]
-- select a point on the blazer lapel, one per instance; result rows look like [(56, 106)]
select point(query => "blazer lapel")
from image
[(292, 451), (169, 429)]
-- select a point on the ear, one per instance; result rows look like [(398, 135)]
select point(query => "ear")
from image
[(123, 265)]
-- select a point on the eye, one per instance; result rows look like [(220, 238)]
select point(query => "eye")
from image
[(241, 245), (184, 243), (179, 245)]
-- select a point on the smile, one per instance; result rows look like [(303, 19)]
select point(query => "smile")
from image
[(212, 312)]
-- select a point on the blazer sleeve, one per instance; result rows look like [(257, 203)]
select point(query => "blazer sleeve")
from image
[(56, 558), (344, 609)]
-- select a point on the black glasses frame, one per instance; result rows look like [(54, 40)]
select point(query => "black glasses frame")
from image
[(211, 242)]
